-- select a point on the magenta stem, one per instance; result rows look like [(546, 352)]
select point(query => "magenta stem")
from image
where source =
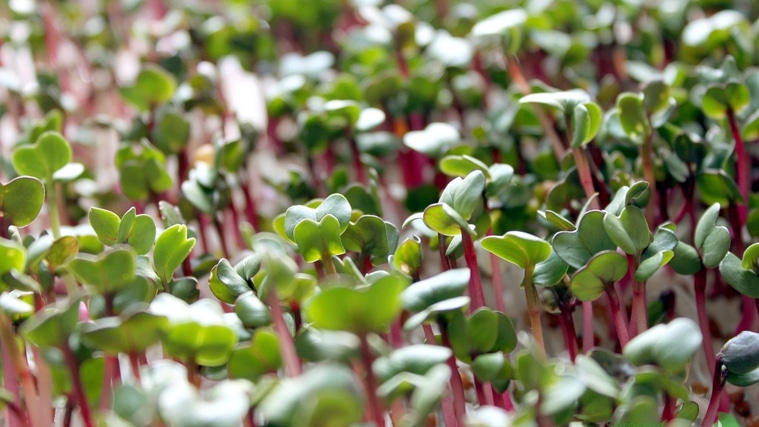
[(588, 336), (475, 284), (619, 321), (375, 406), (699, 286)]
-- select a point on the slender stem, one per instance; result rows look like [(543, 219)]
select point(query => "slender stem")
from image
[(31, 397), (134, 363), (484, 392), (286, 343), (44, 386), (329, 266), (497, 279), (718, 383), (743, 167), (518, 76), (222, 235), (457, 386), (10, 382), (699, 287), (619, 322), (588, 336), (639, 320), (358, 166), (568, 331), (475, 284), (52, 207), (375, 406), (586, 178), (444, 261), (647, 159), (533, 309), (76, 380), (250, 205), (668, 412)]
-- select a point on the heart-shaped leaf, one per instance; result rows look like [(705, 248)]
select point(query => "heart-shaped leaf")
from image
[(517, 247), (408, 256), (629, 231), (196, 332), (42, 159), (371, 235), (318, 239), (564, 101), (335, 205), (130, 335), (362, 310), (667, 345), (21, 200), (605, 268), (651, 265), (577, 247), (107, 273)]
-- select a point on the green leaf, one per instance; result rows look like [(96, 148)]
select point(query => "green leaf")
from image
[(318, 239), (750, 257), (42, 159), (605, 268), (408, 256), (651, 265), (21, 200), (362, 310), (132, 335), (705, 225), (742, 280), (686, 260), (740, 354), (443, 286), (196, 332), (462, 165), (465, 195), (632, 116), (434, 141), (53, 326), (370, 235), (595, 378), (12, 257), (171, 249), (668, 345), (11, 305), (107, 273), (551, 271), (445, 220), (260, 357), (252, 311), (153, 86), (522, 249), (315, 345), (577, 247), (106, 225), (416, 359), (490, 367), (335, 205), (716, 246), (629, 231), (586, 122), (226, 284), (564, 101)]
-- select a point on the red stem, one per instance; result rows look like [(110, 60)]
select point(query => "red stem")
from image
[(250, 206), (699, 286), (445, 263), (375, 406), (619, 321), (457, 386), (286, 343), (484, 392), (718, 383), (79, 395), (497, 278), (743, 171), (568, 332), (475, 285), (11, 384), (588, 336)]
